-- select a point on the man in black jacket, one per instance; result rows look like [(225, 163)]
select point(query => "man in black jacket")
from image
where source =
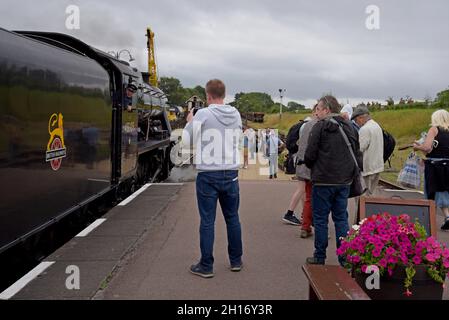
[(333, 170)]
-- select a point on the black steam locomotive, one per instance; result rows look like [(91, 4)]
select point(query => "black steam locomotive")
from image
[(75, 124)]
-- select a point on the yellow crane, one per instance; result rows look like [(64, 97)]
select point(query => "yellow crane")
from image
[(152, 69)]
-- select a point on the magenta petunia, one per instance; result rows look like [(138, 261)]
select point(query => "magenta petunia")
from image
[(383, 263), (392, 240), (392, 260), (417, 260), (376, 253), (446, 253)]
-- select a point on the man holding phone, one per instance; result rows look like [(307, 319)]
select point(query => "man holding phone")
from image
[(215, 132)]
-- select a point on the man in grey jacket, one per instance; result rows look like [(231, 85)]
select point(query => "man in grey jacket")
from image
[(215, 132)]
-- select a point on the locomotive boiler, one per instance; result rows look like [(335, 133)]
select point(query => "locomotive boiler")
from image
[(75, 124)]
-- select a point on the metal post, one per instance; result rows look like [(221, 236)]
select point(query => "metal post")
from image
[(280, 107)]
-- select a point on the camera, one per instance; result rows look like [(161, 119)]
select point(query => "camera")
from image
[(195, 110)]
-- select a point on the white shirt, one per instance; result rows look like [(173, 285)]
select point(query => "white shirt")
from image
[(372, 145)]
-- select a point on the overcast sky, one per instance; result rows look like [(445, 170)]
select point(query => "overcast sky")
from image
[(306, 47)]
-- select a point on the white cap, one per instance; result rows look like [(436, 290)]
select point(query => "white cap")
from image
[(347, 109)]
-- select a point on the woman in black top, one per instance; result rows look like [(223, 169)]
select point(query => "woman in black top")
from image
[(436, 147)]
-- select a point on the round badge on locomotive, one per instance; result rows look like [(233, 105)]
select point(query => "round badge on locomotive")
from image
[(56, 149)]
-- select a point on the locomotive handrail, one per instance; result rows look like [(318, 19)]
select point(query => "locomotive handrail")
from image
[(50, 41)]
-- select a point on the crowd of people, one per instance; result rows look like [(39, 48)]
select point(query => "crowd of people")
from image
[(265, 141), (325, 169), (335, 145)]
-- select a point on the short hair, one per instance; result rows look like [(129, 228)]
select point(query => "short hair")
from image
[(216, 89), (331, 103), (440, 118)]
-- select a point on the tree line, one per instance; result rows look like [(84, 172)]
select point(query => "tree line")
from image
[(263, 102), (245, 102)]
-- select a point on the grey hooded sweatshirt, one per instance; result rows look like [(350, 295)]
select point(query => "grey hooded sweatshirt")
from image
[(215, 133)]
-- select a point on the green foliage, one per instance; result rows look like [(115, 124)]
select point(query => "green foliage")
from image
[(442, 99), (293, 106), (410, 272), (420, 229), (253, 102), (435, 274), (177, 94), (262, 102)]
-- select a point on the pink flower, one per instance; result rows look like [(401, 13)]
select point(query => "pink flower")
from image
[(392, 260), (417, 260), (404, 258), (430, 257), (391, 251), (408, 293), (364, 267), (446, 253)]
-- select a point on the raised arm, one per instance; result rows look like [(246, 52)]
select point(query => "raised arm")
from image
[(427, 146)]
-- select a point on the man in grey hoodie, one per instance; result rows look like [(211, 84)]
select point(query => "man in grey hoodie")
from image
[(215, 132)]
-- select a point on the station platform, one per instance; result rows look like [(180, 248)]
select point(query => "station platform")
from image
[(143, 248)]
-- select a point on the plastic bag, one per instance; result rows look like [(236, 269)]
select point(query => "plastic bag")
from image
[(410, 175)]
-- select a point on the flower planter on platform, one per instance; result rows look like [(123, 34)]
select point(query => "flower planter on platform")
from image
[(392, 287)]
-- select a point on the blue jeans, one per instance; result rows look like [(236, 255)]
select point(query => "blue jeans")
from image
[(224, 187), (326, 199), (273, 161)]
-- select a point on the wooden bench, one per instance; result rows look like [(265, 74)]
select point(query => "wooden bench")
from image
[(332, 283)]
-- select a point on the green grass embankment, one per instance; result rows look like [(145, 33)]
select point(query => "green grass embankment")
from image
[(405, 125)]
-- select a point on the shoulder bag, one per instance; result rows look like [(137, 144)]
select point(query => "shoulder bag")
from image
[(358, 186)]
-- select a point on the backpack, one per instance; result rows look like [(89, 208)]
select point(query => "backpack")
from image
[(292, 138), (389, 144), (289, 164)]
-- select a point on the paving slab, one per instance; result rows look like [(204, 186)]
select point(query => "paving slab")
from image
[(273, 252), (144, 249), (125, 228), (99, 253), (51, 285), (93, 248)]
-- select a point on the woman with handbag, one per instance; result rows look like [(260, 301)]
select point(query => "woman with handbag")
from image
[(436, 170)]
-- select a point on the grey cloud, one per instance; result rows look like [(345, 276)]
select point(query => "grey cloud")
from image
[(306, 47)]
